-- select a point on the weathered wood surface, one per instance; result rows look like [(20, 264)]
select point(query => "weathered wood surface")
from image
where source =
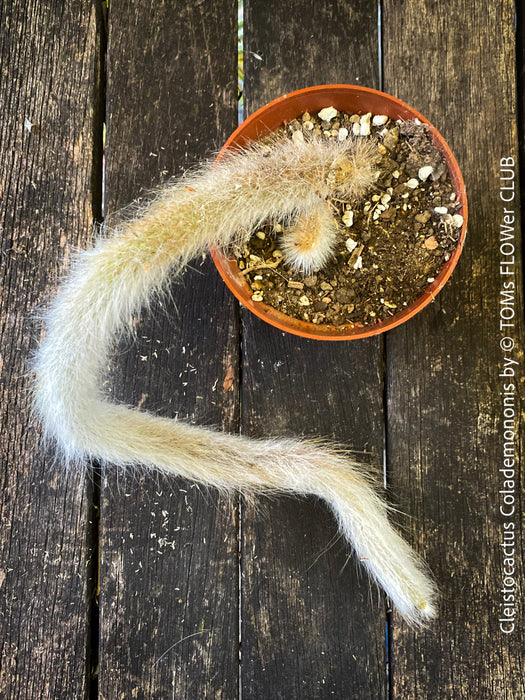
[(311, 626), (169, 596), (445, 432), (48, 184), (169, 559)]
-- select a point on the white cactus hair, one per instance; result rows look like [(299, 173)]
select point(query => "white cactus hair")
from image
[(224, 202)]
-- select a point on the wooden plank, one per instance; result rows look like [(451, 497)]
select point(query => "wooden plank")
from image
[(445, 412), (48, 184), (311, 625), (169, 562)]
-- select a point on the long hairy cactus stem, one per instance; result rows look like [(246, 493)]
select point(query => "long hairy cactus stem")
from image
[(221, 204)]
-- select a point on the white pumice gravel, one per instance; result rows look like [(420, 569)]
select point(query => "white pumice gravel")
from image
[(342, 134), (327, 114), (425, 172), (458, 220), (441, 210), (365, 124), (348, 218), (412, 183), (379, 119), (350, 244)]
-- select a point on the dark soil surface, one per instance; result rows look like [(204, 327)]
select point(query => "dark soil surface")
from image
[(392, 244)]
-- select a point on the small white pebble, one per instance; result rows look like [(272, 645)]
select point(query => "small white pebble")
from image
[(358, 263), (257, 296), (365, 124), (430, 279), (383, 132), (257, 277), (395, 174), (297, 137), (348, 218), (425, 172), (304, 301), (405, 195), (453, 197), (261, 235), (441, 210), (412, 183), (375, 198), (350, 244), (458, 220), (416, 121), (308, 125), (356, 129), (385, 198), (327, 114), (375, 215), (379, 119), (343, 133)]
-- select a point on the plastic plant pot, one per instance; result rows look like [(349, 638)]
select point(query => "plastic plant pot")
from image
[(353, 100)]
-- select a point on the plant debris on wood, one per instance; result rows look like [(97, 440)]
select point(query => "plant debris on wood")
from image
[(392, 244)]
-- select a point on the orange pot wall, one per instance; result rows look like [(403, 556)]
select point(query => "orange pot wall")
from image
[(353, 100)]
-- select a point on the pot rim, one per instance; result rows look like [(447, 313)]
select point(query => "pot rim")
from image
[(228, 268)]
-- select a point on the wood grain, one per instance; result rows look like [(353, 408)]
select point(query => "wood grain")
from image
[(445, 430), (49, 87), (169, 563), (311, 625)]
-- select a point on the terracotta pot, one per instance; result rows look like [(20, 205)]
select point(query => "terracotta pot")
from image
[(351, 99)]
